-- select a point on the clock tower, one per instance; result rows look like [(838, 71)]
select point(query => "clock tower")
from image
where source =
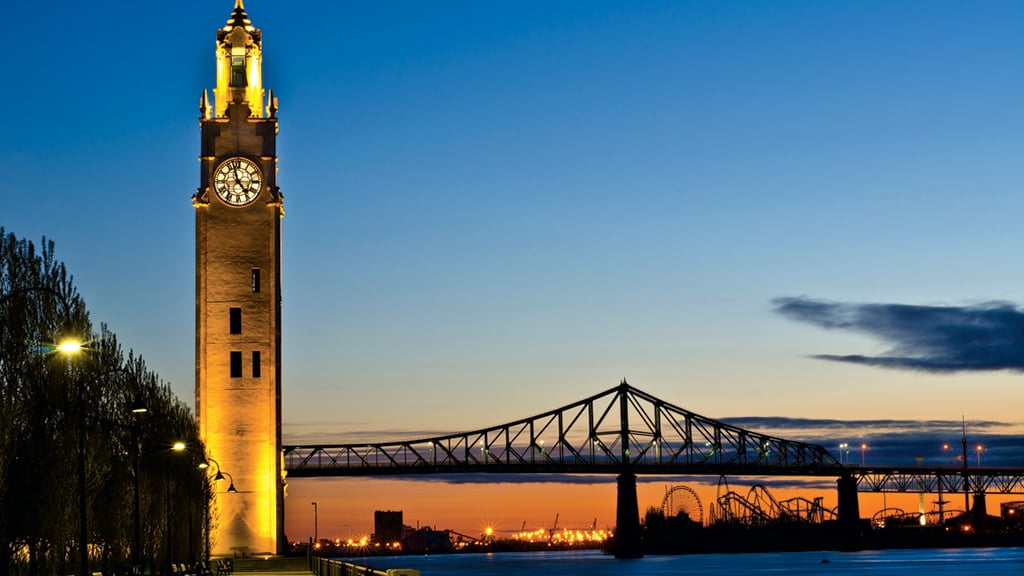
[(238, 295)]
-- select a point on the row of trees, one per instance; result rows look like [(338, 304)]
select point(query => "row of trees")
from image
[(49, 399)]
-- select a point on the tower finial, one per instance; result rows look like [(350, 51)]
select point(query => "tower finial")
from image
[(239, 17), (204, 105), (271, 104)]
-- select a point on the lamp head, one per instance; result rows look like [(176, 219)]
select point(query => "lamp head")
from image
[(69, 346), (139, 405)]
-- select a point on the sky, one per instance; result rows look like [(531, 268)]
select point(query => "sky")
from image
[(750, 209)]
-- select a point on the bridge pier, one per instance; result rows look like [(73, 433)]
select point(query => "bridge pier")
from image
[(979, 513), (628, 539), (849, 510)]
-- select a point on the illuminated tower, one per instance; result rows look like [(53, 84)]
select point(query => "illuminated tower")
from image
[(238, 293)]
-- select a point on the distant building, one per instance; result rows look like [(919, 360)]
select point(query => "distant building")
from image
[(387, 527), (427, 540)]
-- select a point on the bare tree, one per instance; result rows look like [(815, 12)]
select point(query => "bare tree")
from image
[(48, 401)]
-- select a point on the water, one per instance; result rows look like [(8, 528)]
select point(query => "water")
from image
[(932, 562)]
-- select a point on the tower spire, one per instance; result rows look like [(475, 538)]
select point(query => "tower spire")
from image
[(239, 64), (239, 17), (204, 105)]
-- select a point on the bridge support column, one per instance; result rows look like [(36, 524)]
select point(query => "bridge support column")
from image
[(628, 540), (979, 513), (849, 511)]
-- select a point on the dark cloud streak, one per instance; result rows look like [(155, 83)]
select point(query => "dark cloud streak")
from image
[(768, 423), (982, 337)]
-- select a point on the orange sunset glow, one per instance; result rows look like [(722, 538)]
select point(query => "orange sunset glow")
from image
[(346, 505)]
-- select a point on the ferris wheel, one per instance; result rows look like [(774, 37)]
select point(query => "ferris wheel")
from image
[(682, 500)]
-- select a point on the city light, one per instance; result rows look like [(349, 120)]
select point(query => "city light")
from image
[(565, 536)]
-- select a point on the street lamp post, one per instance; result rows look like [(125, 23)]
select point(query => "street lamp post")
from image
[(68, 348), (176, 447), (316, 535), (83, 497), (204, 464), (137, 504), (138, 407)]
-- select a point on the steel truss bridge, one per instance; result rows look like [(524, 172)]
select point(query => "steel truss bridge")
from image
[(619, 428), (939, 480), (625, 431)]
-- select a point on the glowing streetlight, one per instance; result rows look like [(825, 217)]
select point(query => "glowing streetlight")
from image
[(178, 446), (863, 449), (980, 449), (139, 406), (69, 347)]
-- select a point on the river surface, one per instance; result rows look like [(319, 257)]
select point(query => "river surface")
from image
[(931, 562)]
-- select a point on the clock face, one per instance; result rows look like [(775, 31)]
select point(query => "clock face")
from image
[(237, 181)]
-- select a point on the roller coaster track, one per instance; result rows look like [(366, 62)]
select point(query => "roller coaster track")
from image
[(760, 508)]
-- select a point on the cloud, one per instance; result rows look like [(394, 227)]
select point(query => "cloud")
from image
[(893, 442), (762, 423), (809, 429), (322, 434), (987, 336)]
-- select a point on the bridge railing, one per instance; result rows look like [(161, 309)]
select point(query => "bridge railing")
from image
[(329, 567), (617, 429)]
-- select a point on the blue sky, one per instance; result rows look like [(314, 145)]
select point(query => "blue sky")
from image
[(495, 209)]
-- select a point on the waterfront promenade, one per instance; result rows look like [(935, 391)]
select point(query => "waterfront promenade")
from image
[(299, 566), (278, 566)]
